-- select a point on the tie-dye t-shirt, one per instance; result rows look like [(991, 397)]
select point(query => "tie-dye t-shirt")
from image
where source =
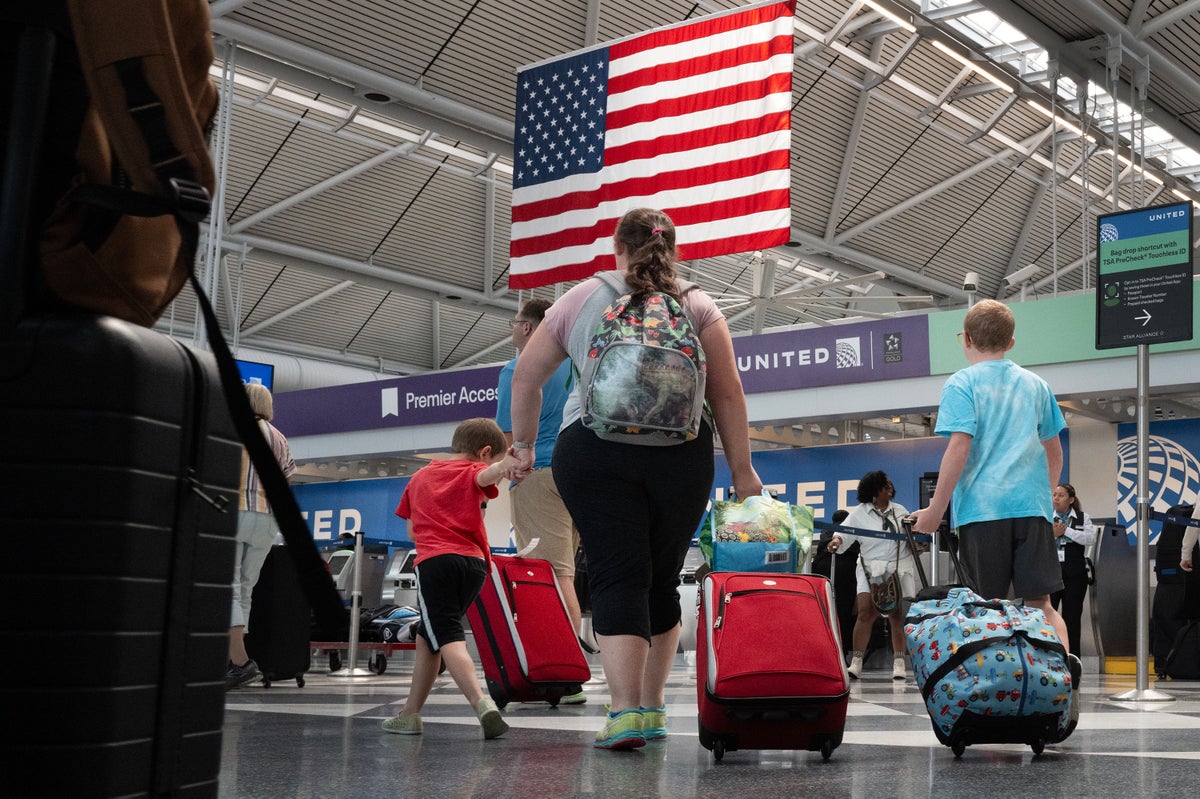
[(1008, 411)]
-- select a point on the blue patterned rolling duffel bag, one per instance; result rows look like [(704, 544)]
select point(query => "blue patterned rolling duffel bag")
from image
[(990, 671)]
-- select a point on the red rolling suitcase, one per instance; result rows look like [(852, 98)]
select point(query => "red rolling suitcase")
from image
[(524, 636), (769, 669)]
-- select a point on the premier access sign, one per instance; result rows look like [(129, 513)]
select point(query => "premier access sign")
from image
[(1144, 276)]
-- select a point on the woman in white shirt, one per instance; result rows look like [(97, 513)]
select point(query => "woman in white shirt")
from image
[(1074, 533), (879, 558)]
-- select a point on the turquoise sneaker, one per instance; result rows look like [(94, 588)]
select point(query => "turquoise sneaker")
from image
[(654, 723), (622, 731)]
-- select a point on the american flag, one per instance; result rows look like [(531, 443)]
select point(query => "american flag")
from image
[(693, 119)]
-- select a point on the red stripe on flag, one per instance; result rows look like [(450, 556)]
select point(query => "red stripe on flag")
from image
[(718, 98), (561, 274), (700, 29), (755, 53), (756, 203), (771, 161), (705, 137), (690, 251), (724, 208), (687, 252)]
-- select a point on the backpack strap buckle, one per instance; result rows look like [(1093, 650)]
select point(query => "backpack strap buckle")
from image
[(191, 200)]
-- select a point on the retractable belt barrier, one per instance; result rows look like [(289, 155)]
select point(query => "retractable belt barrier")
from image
[(908, 537), (1187, 521), (923, 538)]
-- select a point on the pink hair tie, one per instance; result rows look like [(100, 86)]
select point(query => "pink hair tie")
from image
[(655, 231)]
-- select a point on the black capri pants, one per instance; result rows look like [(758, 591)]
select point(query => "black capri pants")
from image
[(636, 508)]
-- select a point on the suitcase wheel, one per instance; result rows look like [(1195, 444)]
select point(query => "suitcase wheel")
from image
[(827, 749), (378, 664), (718, 750), (958, 747), (299, 680), (266, 680), (1037, 746), (335, 660)]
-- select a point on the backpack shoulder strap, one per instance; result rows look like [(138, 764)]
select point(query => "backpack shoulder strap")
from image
[(589, 313), (615, 281)]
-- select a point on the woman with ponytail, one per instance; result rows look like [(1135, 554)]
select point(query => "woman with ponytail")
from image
[(636, 506)]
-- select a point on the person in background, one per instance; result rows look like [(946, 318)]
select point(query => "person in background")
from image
[(878, 559), (1073, 533), (1189, 543), (1002, 460), (443, 504), (255, 535), (636, 506), (537, 508)]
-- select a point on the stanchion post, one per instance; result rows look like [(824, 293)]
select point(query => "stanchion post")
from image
[(1142, 692), (352, 669)]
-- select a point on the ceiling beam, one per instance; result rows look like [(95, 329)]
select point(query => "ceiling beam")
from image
[(373, 363), (222, 7), (851, 153), (1018, 251), (300, 306), (1031, 143), (343, 268), (810, 243), (1083, 69), (319, 187), (1165, 19), (411, 105)]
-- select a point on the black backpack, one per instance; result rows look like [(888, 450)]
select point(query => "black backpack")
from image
[(1169, 550)]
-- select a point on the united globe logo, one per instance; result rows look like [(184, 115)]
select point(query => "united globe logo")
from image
[(1109, 232), (1173, 473), (848, 352)]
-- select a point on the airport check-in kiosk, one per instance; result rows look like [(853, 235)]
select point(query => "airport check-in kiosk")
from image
[(400, 579), (341, 567)]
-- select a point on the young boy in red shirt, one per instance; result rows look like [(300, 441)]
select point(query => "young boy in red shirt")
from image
[(443, 505)]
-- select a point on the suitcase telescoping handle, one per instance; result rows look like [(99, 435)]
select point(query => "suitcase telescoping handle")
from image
[(907, 523)]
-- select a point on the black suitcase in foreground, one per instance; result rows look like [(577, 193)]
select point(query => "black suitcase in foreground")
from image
[(118, 481), (280, 627)]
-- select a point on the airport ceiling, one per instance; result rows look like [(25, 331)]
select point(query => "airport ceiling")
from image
[(365, 212)]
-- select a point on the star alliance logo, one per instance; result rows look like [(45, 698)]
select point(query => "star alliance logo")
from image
[(893, 350)]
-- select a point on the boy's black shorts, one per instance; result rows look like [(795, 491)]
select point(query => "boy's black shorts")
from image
[(446, 587), (1017, 551)]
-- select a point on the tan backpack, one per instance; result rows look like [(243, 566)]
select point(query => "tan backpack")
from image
[(122, 240)]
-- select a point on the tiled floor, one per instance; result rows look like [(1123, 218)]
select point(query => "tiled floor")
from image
[(323, 740)]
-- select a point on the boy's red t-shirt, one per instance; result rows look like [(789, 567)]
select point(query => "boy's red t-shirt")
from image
[(442, 504)]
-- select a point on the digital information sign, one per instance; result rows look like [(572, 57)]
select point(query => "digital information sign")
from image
[(253, 372), (1144, 276)]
